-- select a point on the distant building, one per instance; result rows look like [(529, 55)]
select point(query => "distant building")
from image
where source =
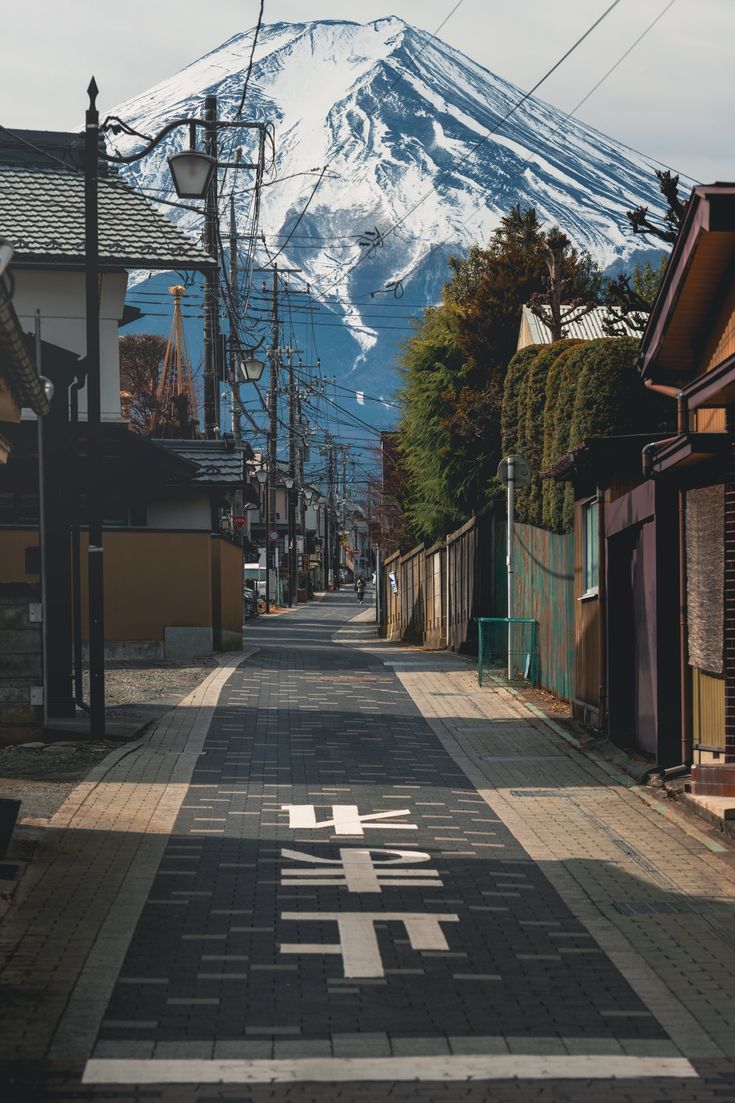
[(588, 328)]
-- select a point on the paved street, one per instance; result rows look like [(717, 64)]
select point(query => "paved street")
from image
[(339, 870)]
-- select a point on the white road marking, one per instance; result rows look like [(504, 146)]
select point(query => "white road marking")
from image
[(346, 819), (358, 942), (357, 871), (353, 1069)]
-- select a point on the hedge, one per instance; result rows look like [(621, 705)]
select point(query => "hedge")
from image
[(556, 397)]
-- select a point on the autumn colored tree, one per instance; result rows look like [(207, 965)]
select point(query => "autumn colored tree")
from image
[(141, 360), (454, 369)]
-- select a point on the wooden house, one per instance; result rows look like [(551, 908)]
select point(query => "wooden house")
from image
[(688, 353)]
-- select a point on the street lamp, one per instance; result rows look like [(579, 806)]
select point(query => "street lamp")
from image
[(251, 369), (194, 176), (192, 172)]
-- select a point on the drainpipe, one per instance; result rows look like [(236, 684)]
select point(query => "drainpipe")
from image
[(684, 669), (602, 604), (76, 565), (682, 418)]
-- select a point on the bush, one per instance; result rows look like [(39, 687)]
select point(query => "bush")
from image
[(532, 449), (556, 397), (561, 386)]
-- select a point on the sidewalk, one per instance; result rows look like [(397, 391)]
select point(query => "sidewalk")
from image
[(341, 862)]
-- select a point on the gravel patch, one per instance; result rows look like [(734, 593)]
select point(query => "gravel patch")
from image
[(44, 772)]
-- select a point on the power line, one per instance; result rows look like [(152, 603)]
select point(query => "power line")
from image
[(493, 130)]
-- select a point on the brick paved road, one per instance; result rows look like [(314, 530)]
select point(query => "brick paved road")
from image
[(342, 908)]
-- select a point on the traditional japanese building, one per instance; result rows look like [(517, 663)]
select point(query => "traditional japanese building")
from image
[(688, 353)]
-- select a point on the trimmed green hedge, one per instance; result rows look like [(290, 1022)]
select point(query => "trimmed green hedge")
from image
[(559, 395)]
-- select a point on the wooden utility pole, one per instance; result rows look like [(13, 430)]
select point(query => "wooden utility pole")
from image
[(291, 491), (301, 446), (211, 281), (274, 357), (234, 387)]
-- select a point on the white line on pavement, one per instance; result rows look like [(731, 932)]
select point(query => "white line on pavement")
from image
[(351, 1069)]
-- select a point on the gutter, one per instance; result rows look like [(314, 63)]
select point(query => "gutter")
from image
[(682, 415)]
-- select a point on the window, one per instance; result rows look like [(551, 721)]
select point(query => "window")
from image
[(590, 566)]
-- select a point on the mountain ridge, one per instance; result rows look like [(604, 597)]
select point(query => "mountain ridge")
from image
[(401, 119)]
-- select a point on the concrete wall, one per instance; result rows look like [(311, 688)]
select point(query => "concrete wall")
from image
[(59, 296), (185, 511)]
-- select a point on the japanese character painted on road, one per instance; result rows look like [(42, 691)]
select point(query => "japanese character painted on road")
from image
[(346, 819), (358, 942), (357, 869)]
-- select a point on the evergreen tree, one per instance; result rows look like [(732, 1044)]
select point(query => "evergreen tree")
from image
[(454, 370)]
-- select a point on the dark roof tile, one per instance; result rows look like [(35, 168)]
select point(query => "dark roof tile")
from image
[(42, 214)]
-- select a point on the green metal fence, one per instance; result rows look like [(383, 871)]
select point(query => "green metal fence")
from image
[(500, 638)]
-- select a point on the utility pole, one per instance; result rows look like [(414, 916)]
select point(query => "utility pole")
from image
[(273, 423), (236, 422), (274, 357), (300, 477), (291, 492), (211, 280), (329, 519)]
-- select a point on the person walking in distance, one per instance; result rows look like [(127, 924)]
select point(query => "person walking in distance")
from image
[(360, 587)]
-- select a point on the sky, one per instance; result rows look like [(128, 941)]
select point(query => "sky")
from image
[(671, 98)]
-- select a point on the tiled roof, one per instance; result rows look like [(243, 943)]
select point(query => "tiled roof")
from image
[(217, 463), (16, 366), (588, 328), (42, 214)]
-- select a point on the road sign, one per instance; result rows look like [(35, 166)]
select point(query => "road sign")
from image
[(521, 471), (274, 536), (238, 522)]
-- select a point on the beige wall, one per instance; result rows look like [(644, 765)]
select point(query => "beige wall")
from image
[(230, 556), (13, 544), (60, 297), (153, 581)]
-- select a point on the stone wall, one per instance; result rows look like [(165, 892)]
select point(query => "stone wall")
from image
[(20, 659)]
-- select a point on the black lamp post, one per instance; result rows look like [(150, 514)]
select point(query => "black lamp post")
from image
[(195, 176), (262, 476)]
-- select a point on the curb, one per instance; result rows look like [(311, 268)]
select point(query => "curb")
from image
[(631, 782)]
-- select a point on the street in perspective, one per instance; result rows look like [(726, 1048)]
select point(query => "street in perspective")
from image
[(367, 554)]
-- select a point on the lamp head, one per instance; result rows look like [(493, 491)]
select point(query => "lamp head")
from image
[(192, 173), (251, 369)]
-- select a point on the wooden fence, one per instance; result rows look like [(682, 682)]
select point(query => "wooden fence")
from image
[(442, 591)]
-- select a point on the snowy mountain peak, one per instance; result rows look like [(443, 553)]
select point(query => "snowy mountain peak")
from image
[(411, 138)]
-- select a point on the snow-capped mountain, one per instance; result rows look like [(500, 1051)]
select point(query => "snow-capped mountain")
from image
[(399, 122)]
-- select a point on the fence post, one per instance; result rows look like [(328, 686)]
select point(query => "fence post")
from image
[(480, 642)]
